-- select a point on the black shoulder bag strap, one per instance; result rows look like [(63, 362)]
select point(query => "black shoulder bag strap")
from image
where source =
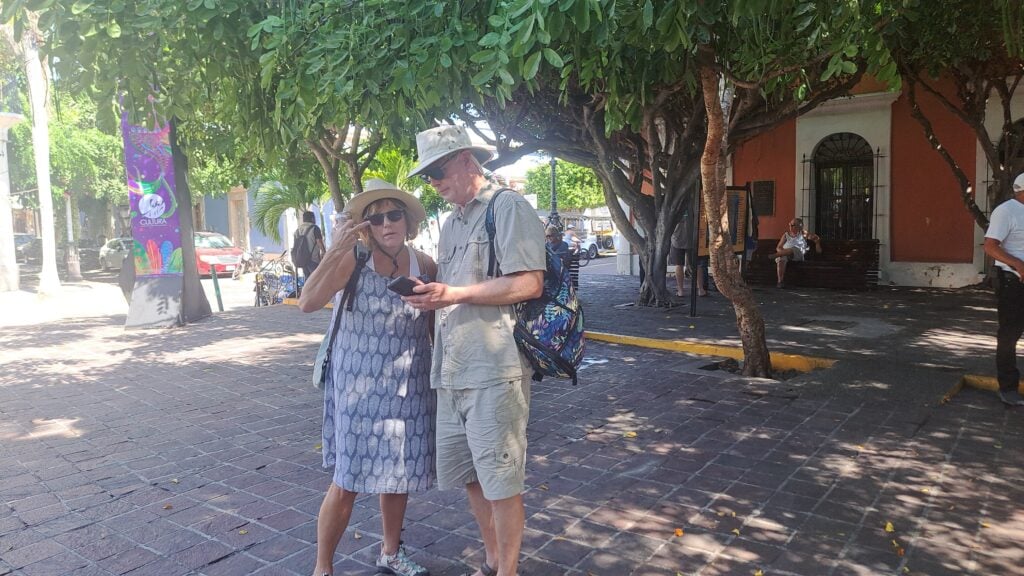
[(492, 261), (348, 297)]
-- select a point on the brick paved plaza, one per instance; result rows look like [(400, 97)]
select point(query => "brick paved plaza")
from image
[(195, 451)]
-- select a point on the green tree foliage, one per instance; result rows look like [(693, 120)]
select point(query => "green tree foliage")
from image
[(577, 187), (86, 163), (159, 55), (84, 159), (393, 164)]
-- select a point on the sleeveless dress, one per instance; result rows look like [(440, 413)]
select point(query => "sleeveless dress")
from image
[(798, 243), (379, 410)]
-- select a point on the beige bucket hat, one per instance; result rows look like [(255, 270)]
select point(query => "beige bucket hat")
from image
[(436, 143), (375, 189)]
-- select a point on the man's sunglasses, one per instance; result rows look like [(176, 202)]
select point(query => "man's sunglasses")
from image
[(391, 215), (436, 170)]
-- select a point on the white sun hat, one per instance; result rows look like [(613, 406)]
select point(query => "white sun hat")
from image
[(436, 143), (375, 189)]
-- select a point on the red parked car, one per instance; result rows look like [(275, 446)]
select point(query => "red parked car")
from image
[(217, 250)]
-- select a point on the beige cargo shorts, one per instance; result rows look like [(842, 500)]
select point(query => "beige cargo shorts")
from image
[(481, 437)]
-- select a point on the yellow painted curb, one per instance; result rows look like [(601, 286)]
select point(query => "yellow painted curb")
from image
[(779, 360), (295, 302), (979, 382), (987, 383)]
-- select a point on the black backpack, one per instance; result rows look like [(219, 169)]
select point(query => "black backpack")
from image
[(302, 245), (549, 328)]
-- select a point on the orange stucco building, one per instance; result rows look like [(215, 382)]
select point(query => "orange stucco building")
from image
[(861, 168)]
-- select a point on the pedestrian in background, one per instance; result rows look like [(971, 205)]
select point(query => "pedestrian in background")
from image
[(379, 410), (482, 380), (682, 256), (1004, 242), (556, 244), (308, 245)]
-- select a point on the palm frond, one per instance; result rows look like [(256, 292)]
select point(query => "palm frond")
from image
[(393, 165), (271, 200)]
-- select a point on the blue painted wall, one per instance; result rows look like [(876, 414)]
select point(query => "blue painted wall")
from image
[(216, 213)]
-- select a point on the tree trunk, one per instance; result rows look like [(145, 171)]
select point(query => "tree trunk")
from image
[(49, 283), (194, 304), (331, 167), (355, 174), (653, 291), (749, 322), (334, 184)]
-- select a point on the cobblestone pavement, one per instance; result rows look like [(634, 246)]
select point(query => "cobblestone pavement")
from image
[(194, 451)]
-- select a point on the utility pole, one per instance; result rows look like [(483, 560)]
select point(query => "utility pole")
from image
[(9, 276), (70, 253), (554, 219)]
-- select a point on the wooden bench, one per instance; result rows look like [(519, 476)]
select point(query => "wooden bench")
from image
[(846, 264)]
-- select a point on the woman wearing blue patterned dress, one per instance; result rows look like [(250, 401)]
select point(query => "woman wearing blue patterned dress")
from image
[(379, 410)]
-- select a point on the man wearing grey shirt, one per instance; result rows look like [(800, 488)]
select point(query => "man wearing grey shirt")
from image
[(482, 380)]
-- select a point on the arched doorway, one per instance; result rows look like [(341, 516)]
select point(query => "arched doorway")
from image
[(844, 187)]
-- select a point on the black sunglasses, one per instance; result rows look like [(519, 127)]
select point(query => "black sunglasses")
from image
[(392, 216), (436, 170)]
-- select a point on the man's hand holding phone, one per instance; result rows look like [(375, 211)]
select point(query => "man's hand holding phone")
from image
[(403, 285)]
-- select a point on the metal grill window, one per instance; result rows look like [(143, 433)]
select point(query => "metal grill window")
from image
[(844, 186)]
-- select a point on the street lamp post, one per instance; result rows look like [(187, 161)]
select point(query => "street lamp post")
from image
[(554, 219)]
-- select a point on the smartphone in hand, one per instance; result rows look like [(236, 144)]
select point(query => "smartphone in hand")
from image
[(402, 286)]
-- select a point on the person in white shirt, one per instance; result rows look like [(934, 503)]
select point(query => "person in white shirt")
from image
[(1004, 242), (792, 246), (571, 239)]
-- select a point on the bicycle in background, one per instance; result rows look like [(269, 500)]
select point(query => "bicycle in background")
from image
[(275, 281)]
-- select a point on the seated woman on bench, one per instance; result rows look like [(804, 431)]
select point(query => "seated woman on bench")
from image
[(792, 246)]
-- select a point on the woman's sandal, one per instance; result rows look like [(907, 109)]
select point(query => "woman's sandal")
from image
[(486, 570)]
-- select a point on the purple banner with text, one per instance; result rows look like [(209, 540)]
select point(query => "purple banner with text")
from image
[(154, 209)]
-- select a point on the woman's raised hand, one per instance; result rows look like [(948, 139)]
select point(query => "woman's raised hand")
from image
[(344, 234)]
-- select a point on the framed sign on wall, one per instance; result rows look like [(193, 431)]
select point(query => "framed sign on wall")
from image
[(737, 208)]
